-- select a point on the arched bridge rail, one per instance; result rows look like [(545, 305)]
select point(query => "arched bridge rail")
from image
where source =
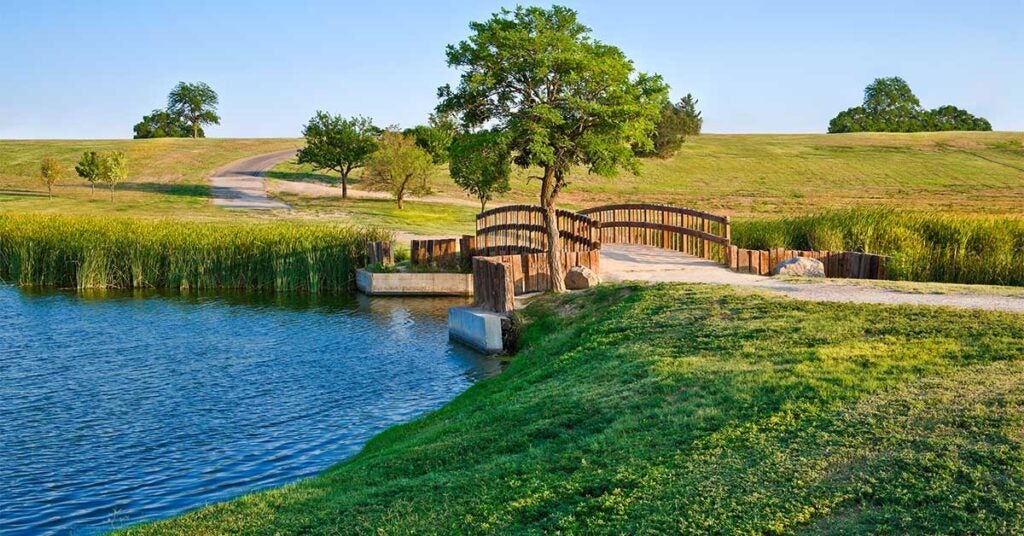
[(681, 229), (515, 229)]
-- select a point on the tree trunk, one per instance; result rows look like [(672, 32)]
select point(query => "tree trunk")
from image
[(483, 205), (49, 191), (344, 185), (195, 130), (400, 205), (547, 201), (111, 193)]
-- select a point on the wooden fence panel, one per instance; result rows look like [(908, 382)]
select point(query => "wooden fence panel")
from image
[(440, 253), (843, 264)]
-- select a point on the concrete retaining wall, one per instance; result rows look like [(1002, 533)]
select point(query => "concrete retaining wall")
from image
[(414, 284)]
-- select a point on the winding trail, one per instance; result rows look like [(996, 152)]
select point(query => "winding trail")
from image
[(621, 262), (241, 184)]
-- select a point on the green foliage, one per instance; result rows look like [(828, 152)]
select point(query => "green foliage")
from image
[(51, 171), (92, 252), (399, 167), (480, 163), (923, 246), (562, 98), (436, 136), (88, 167), (196, 104), (890, 106), (163, 124), (338, 144), (694, 409), (113, 169), (677, 121)]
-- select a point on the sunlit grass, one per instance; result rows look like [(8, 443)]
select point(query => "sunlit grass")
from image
[(694, 409), (91, 252), (953, 248)]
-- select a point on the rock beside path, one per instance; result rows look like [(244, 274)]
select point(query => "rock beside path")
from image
[(800, 266), (581, 277)]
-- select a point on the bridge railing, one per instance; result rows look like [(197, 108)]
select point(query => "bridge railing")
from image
[(690, 231), (515, 229)]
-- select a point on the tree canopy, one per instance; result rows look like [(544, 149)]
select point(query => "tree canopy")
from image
[(890, 106), (196, 104), (435, 136), (399, 167), (480, 163), (562, 98), (338, 144), (164, 124)]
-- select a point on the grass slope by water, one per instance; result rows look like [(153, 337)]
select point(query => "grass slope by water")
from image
[(694, 409), (165, 176), (769, 174)]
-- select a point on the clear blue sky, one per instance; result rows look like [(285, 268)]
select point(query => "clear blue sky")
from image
[(92, 69)]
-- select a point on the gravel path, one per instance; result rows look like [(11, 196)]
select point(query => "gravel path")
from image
[(240, 184), (620, 262)]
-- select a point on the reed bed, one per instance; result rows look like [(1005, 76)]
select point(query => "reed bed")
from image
[(90, 252), (924, 246)]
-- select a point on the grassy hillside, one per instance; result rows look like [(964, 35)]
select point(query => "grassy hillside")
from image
[(755, 174), (694, 409), (166, 176)]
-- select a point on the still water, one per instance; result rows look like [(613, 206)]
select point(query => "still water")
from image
[(120, 408)]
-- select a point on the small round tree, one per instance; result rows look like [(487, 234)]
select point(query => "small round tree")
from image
[(337, 144), (562, 98), (399, 167), (51, 171), (480, 163)]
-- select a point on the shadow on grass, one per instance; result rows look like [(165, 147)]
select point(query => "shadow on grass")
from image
[(298, 176), (184, 190), (21, 193)]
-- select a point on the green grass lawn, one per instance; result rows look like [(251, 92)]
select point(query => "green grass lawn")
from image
[(167, 177), (768, 174), (694, 409)]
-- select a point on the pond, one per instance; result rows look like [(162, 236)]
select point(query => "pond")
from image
[(124, 407)]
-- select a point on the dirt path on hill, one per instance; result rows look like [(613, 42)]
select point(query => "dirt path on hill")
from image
[(241, 184), (620, 262)]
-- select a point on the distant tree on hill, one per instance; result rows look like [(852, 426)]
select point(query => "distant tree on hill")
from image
[(88, 168), (337, 144), (163, 124), (435, 136), (399, 167), (113, 169), (51, 171), (562, 98), (890, 106), (676, 122), (480, 163), (196, 104)]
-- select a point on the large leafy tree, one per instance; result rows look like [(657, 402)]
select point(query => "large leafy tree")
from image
[(399, 167), (890, 106), (480, 163), (164, 124), (196, 104), (562, 98), (337, 144)]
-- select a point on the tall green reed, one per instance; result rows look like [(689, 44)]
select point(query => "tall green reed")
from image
[(923, 246), (92, 252)]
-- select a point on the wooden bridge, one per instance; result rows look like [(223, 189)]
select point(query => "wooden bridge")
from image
[(509, 248)]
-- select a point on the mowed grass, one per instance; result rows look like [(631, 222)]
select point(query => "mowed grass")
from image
[(165, 176), (753, 175), (698, 410)]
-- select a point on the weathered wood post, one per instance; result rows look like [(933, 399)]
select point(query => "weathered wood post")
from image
[(380, 253)]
